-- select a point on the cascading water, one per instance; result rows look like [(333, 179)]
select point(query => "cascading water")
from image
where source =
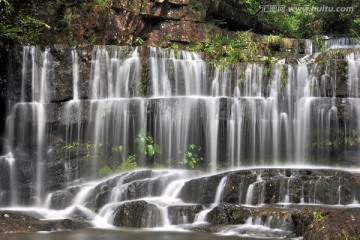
[(167, 109), (28, 133), (332, 43)]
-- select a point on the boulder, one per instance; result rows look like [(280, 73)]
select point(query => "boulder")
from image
[(228, 214), (63, 198), (27, 222), (183, 214), (137, 214), (191, 193), (332, 223)]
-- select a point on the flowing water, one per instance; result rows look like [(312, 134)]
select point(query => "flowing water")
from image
[(96, 234), (248, 115), (332, 43)]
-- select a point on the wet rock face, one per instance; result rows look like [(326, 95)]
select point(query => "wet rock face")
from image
[(20, 222), (119, 22), (183, 214), (127, 186), (268, 186), (61, 162), (228, 214), (205, 195), (332, 224), (62, 199), (62, 72), (138, 214), (123, 197)]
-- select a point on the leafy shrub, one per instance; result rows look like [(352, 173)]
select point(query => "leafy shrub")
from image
[(192, 157), (146, 145), (128, 165), (105, 171)]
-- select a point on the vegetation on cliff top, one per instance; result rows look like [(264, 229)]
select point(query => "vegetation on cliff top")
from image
[(305, 18), (39, 22)]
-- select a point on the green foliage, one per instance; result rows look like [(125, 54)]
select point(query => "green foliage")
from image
[(318, 216), (105, 171), (355, 29), (127, 165), (192, 157), (68, 16), (283, 78), (118, 148), (338, 139), (197, 5), (346, 236), (218, 22), (139, 41), (75, 145), (103, 3), (23, 28), (146, 145), (6, 9), (301, 23), (320, 43), (72, 145), (225, 49), (274, 42), (267, 71)]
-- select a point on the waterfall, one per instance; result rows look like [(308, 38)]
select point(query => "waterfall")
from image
[(353, 73), (29, 129), (332, 43), (250, 114)]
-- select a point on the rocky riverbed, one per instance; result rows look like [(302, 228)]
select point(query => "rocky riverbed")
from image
[(318, 204)]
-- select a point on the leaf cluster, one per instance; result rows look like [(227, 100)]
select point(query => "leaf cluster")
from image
[(225, 49), (146, 145), (23, 28), (192, 157)]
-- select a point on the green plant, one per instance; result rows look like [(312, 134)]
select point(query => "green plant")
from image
[(68, 16), (6, 9), (127, 165), (337, 139), (23, 28), (355, 29), (267, 71), (345, 236), (225, 49), (197, 5), (76, 145), (318, 216), (103, 3), (192, 157), (72, 145), (274, 42), (118, 148), (218, 22), (320, 43), (134, 9), (283, 78), (139, 41), (129, 42), (92, 39), (146, 145), (105, 171)]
